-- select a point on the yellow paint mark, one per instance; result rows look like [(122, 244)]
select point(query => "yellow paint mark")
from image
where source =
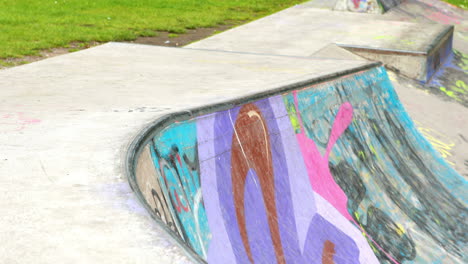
[(449, 93), (456, 89), (356, 214), (462, 85), (442, 147), (384, 37), (465, 65), (373, 150), (374, 248), (391, 76), (407, 42), (464, 61), (293, 117), (361, 154), (400, 230)]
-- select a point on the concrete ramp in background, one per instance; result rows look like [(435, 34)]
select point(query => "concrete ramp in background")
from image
[(366, 6), (359, 6), (328, 170), (401, 39), (416, 50)]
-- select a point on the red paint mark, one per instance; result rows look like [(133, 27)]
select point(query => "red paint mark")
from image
[(251, 150), (328, 252), (179, 203), (178, 159)]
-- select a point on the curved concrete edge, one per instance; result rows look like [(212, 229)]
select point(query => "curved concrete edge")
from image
[(132, 152), (135, 147)]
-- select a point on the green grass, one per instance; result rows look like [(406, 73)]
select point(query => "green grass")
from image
[(460, 3), (29, 26)]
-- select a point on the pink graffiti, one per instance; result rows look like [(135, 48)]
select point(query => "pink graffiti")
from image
[(443, 18), (19, 120), (356, 3), (320, 176)]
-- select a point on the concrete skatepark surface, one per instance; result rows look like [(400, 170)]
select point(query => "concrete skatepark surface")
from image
[(330, 166), (66, 124)]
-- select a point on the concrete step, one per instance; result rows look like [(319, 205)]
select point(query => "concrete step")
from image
[(415, 50)]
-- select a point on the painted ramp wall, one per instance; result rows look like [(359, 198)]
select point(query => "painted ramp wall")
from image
[(333, 172)]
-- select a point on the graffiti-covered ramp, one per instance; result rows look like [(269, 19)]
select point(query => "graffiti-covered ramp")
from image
[(64, 125), (320, 169)]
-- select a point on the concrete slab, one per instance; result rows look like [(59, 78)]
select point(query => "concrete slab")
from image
[(65, 123), (302, 31)]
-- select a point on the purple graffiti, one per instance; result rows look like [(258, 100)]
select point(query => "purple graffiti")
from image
[(298, 223)]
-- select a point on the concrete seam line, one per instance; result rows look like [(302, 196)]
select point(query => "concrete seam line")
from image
[(382, 50)]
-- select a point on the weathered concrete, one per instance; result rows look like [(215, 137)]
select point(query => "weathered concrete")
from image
[(65, 123), (303, 30)]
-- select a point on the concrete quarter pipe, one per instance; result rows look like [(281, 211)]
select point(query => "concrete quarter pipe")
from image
[(322, 172)]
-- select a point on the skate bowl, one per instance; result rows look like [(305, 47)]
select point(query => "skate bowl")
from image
[(331, 170)]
